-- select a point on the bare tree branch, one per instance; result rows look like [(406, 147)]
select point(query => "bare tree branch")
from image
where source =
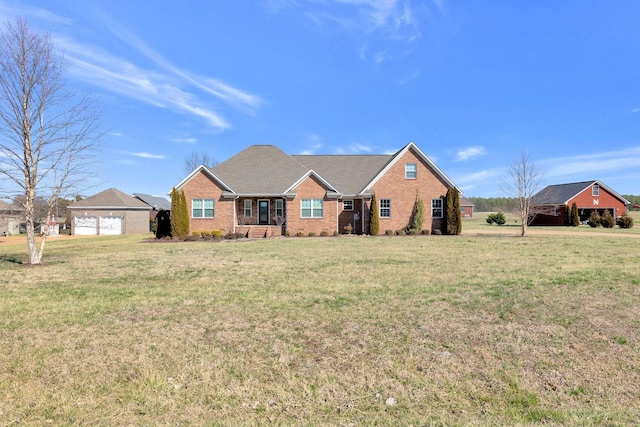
[(48, 133), (524, 180), (195, 160)]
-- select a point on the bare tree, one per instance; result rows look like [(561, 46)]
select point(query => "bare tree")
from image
[(524, 180), (48, 133), (196, 159)]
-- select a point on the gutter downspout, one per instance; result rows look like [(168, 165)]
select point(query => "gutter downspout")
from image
[(337, 214), (235, 214)]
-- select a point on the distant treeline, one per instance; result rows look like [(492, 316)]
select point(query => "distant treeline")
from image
[(635, 200), (494, 204), (510, 204)]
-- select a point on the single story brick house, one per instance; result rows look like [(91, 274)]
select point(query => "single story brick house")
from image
[(552, 202), (109, 212), (263, 191), (466, 208)]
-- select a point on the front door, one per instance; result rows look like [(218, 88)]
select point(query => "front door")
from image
[(263, 212)]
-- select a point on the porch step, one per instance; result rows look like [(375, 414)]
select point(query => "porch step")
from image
[(257, 232)]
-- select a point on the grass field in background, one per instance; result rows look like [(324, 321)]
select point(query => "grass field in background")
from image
[(479, 329)]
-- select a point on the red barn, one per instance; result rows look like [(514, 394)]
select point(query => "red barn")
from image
[(552, 202)]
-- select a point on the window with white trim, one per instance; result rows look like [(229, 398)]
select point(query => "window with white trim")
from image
[(311, 208), (202, 208), (279, 208), (248, 207), (410, 171), (436, 208), (595, 190), (347, 205), (385, 208)]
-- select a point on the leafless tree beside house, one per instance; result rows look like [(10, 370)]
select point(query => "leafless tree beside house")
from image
[(524, 181), (48, 133)]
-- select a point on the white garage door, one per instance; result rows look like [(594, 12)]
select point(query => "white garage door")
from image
[(110, 225), (86, 225)]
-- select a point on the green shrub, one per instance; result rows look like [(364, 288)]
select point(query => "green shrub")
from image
[(195, 233), (497, 218), (417, 215), (374, 216), (594, 219), (230, 236), (575, 216), (348, 229), (606, 219), (179, 214), (163, 224), (388, 232), (217, 233), (335, 233), (300, 234), (400, 232), (324, 233), (287, 233), (312, 234), (625, 221), (414, 231), (426, 232), (437, 232), (453, 216)]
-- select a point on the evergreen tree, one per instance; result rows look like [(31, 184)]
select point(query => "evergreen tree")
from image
[(567, 215), (417, 216), (179, 214), (575, 217), (163, 224), (453, 217), (374, 217)]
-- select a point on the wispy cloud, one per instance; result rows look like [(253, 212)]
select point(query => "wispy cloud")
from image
[(591, 166), (469, 152), (636, 110), (163, 85), (353, 148), (383, 21), (184, 140), (148, 155)]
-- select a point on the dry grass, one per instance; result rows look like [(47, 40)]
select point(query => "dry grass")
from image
[(476, 330)]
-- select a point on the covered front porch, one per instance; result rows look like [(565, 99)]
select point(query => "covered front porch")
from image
[(260, 216)]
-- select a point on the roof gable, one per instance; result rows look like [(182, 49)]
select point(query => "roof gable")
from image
[(349, 174), (560, 194), (110, 198), (414, 148)]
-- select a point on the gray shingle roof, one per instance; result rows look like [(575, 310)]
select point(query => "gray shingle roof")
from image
[(349, 174), (260, 170), (560, 193), (111, 198), (155, 202)]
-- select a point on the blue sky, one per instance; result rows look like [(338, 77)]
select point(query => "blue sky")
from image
[(471, 83)]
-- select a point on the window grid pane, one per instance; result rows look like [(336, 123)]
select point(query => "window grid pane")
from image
[(410, 171), (279, 208), (385, 208), (247, 208), (208, 208), (436, 208), (311, 208), (197, 208)]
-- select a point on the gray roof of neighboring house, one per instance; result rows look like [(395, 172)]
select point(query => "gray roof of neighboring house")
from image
[(111, 198), (260, 170), (155, 202), (562, 193), (349, 174)]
